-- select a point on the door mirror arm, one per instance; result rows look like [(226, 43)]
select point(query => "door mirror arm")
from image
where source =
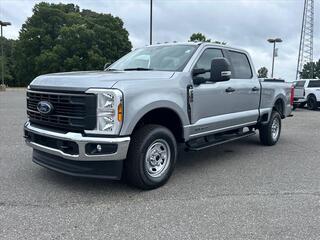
[(198, 71), (199, 80)]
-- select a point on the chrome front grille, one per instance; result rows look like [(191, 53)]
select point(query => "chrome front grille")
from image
[(71, 111)]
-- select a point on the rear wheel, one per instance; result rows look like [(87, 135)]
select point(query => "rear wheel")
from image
[(312, 103), (151, 157), (270, 133)]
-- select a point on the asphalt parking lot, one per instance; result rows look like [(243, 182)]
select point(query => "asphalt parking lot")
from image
[(240, 190)]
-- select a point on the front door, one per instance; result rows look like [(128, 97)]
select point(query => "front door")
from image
[(219, 106)]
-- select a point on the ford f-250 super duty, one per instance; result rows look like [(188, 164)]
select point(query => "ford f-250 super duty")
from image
[(127, 120)]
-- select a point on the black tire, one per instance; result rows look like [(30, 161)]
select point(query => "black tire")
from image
[(138, 170), (312, 103), (266, 132)]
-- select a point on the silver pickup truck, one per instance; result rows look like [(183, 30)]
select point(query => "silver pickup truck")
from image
[(127, 120)]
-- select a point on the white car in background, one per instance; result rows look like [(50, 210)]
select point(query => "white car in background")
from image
[(307, 91)]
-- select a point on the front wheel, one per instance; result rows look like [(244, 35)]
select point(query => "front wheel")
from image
[(151, 157), (270, 133)]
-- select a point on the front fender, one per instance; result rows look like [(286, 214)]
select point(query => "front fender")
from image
[(149, 95), (128, 128)]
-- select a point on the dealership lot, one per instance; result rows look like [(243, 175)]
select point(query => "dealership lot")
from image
[(240, 190)]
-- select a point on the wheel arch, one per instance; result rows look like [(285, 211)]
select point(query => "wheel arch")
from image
[(311, 95), (164, 115), (279, 106)]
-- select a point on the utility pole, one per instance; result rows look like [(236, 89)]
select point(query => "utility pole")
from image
[(3, 24), (306, 38), (150, 22), (274, 41)]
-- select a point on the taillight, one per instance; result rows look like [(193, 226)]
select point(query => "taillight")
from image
[(292, 95), (304, 92)]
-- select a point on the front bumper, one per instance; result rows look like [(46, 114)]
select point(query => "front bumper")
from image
[(299, 100), (54, 143), (90, 169)]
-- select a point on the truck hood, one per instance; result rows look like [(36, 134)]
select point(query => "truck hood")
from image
[(81, 81)]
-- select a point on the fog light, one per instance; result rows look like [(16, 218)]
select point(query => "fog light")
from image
[(99, 148)]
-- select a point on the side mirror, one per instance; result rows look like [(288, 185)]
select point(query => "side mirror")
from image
[(106, 65), (220, 70), (197, 71)]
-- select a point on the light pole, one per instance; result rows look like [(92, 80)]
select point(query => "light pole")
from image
[(274, 41), (150, 22), (3, 24)]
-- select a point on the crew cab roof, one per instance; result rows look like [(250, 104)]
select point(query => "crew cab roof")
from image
[(200, 44)]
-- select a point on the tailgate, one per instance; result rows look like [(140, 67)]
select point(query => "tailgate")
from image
[(299, 92)]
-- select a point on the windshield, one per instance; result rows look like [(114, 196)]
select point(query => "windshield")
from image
[(161, 58)]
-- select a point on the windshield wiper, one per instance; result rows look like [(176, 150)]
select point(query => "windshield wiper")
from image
[(138, 69), (112, 69)]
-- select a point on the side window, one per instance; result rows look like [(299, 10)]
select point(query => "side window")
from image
[(241, 65), (300, 83), (314, 84), (205, 60)]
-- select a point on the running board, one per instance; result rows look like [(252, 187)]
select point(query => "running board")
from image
[(224, 139)]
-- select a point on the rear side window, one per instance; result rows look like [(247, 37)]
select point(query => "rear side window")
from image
[(314, 84), (241, 65), (300, 83)]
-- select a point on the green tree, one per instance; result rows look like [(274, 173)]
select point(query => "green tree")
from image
[(199, 37), (8, 49), (311, 70), (263, 72), (61, 37)]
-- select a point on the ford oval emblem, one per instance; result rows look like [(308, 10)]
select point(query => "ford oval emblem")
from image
[(44, 107)]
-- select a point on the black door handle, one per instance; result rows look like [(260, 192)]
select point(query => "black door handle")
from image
[(255, 89), (230, 89)]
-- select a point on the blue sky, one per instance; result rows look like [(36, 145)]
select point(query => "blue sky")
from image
[(240, 23)]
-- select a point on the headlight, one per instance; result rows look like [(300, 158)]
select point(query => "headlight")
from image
[(109, 111)]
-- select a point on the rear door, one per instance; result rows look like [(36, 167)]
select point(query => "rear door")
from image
[(246, 98)]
